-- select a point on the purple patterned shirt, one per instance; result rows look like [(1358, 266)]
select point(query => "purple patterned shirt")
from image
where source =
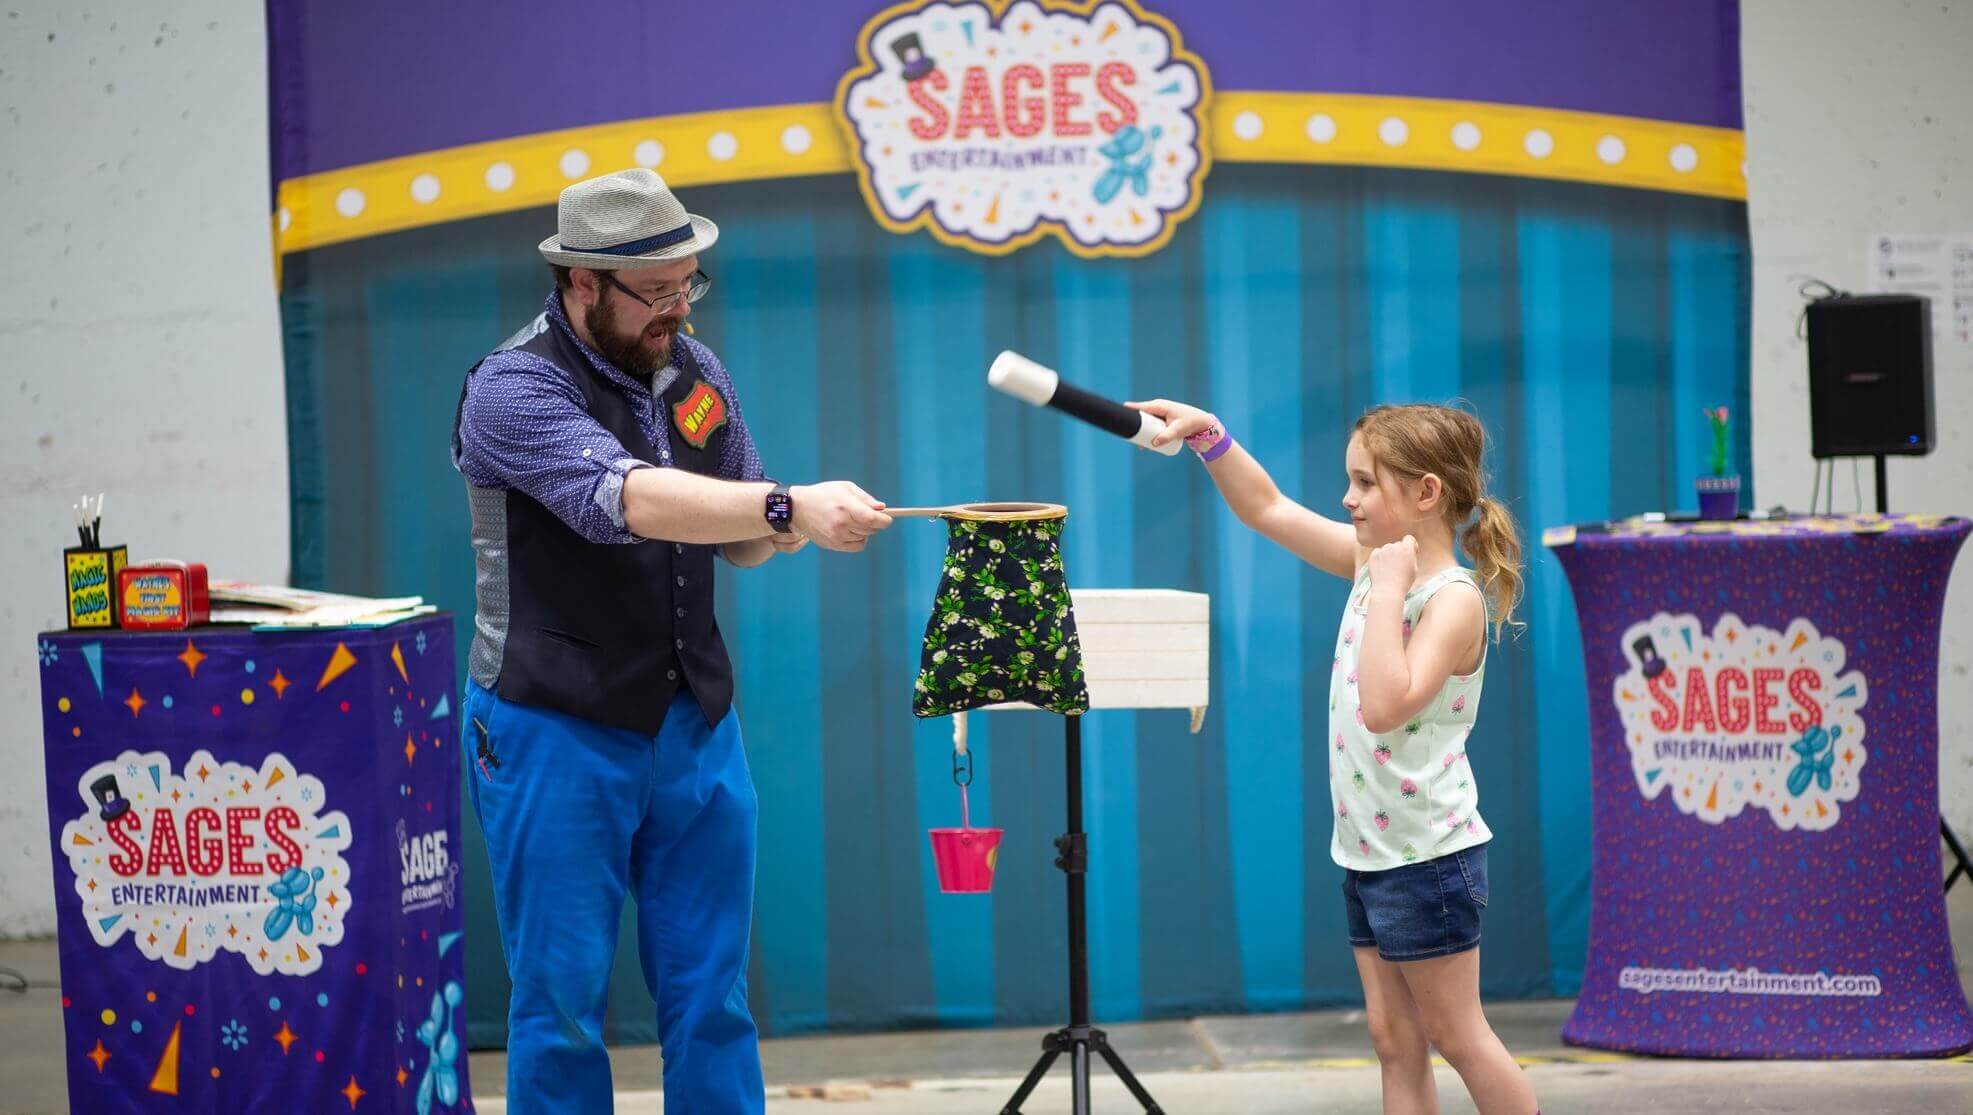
[(524, 426)]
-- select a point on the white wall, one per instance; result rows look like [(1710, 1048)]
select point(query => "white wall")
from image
[(139, 348), (133, 152), (1860, 121)]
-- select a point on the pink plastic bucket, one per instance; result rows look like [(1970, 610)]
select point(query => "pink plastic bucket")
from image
[(965, 859), (965, 856)]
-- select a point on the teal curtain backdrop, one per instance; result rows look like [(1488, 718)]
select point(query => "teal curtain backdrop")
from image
[(1586, 325)]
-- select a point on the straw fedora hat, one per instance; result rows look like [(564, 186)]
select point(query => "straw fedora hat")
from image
[(622, 220)]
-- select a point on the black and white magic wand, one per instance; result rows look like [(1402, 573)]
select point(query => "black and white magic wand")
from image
[(1030, 382)]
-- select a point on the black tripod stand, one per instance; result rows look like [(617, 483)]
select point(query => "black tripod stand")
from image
[(1078, 1039), (1962, 866)]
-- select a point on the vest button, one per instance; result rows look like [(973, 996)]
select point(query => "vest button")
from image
[(671, 675), (678, 643), (681, 613), (678, 547), (681, 582)]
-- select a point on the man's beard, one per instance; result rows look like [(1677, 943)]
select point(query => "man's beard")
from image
[(633, 352)]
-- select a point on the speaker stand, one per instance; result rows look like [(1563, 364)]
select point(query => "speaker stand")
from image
[(1963, 866)]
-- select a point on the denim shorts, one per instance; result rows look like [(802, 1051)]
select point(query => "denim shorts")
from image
[(1420, 910)]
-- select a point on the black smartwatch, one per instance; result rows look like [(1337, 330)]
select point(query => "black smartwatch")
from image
[(781, 510)]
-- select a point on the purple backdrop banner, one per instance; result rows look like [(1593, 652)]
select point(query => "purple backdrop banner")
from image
[(256, 869), (364, 80), (1764, 735)]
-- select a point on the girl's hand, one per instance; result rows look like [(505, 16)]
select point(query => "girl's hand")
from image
[(1395, 566), (1181, 421)]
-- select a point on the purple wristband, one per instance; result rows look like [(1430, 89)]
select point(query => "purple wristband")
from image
[(1218, 450)]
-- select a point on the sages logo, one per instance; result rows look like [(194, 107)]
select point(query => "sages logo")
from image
[(426, 870), (218, 857), (1743, 716), (994, 125)]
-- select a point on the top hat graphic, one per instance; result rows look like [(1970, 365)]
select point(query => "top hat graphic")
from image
[(911, 51), (1647, 656), (110, 797)]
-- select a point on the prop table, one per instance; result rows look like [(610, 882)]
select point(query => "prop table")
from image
[(256, 871), (1764, 735)]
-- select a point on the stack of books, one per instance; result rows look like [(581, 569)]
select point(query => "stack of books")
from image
[(275, 607)]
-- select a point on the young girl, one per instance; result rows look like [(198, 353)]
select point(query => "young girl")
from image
[(1403, 693)]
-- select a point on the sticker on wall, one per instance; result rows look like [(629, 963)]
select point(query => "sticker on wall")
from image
[(1743, 716), (218, 857), (993, 125)]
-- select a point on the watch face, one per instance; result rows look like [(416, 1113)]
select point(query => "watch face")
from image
[(780, 508)]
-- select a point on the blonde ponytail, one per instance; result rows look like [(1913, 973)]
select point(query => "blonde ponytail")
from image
[(1494, 545)]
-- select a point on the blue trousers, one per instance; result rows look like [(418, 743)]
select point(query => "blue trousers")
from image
[(578, 815)]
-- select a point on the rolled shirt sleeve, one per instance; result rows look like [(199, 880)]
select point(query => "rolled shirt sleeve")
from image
[(524, 425)]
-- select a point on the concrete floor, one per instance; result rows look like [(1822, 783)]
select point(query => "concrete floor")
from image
[(1253, 1065)]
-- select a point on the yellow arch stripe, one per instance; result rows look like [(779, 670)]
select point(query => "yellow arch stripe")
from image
[(1479, 138), (503, 175), (788, 141)]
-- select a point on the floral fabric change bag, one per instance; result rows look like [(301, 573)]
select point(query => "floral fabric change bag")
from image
[(1002, 627)]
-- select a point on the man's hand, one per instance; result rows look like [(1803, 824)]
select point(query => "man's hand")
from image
[(837, 515), (755, 552)]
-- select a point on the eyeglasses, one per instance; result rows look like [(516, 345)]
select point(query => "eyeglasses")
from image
[(694, 289)]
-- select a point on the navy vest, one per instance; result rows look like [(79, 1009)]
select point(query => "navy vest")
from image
[(610, 633)]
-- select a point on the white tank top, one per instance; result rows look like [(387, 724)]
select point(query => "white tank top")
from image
[(1408, 795)]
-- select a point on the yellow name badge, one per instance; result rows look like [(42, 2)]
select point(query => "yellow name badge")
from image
[(90, 577)]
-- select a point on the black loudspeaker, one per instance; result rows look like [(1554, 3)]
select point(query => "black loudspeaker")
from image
[(1870, 375)]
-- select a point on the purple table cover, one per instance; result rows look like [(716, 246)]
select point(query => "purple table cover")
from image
[(256, 846), (1764, 731)]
